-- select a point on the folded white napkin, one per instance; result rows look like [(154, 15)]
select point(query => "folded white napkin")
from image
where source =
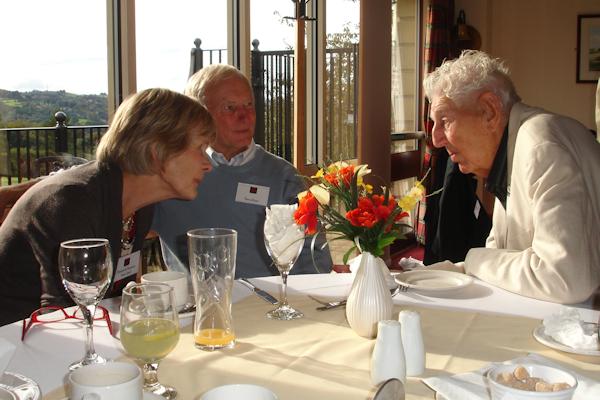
[(568, 328), (408, 263), (7, 350), (473, 386), (282, 233)]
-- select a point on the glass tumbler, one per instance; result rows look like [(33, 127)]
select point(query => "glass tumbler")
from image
[(212, 254)]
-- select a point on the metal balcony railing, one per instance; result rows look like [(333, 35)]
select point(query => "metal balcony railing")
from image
[(272, 82), (20, 147)]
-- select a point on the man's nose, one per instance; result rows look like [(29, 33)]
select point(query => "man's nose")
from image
[(437, 136)]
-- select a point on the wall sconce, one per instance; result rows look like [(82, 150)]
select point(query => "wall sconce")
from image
[(462, 27), (465, 36)]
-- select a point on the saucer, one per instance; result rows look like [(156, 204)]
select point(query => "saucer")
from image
[(145, 396), (189, 314), (539, 334), (18, 387)]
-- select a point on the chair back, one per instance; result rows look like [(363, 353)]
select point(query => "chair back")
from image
[(45, 165)]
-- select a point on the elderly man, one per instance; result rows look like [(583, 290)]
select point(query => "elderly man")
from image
[(544, 170), (245, 179)]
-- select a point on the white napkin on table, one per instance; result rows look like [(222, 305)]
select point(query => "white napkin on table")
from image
[(282, 233), (472, 385), (568, 328), (7, 350)]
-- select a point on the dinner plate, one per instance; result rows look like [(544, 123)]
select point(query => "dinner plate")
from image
[(18, 387), (434, 282), (540, 335), (438, 396)]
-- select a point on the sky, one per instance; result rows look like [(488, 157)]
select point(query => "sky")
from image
[(61, 44)]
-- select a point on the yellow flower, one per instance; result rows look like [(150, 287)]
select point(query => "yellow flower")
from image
[(368, 188), (320, 173), (408, 202)]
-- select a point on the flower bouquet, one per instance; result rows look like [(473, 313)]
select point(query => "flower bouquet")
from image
[(346, 206), (339, 202)]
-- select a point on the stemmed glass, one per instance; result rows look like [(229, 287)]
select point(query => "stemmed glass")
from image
[(150, 330), (86, 268), (284, 259)]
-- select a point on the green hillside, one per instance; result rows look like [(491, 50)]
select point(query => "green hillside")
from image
[(37, 108)]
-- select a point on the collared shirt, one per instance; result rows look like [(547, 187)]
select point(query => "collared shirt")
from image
[(496, 182), (244, 157)]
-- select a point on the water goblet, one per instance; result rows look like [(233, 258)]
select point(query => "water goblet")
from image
[(149, 330), (284, 257), (85, 267)]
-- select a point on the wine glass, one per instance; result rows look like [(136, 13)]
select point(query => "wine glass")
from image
[(284, 256), (86, 268), (150, 330)]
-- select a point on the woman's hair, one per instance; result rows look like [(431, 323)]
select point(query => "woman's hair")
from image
[(153, 120), (209, 77), (468, 75)]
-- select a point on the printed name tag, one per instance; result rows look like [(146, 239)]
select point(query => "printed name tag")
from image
[(252, 194), (127, 266)]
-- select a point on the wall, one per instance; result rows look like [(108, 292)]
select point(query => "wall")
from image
[(538, 39)]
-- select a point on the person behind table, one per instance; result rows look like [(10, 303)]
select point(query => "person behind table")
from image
[(245, 179), (155, 136), (544, 170)]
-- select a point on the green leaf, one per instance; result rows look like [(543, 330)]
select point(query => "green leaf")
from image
[(348, 253)]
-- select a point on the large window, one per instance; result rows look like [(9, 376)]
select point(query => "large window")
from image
[(165, 34), (272, 54), (54, 47), (341, 79)]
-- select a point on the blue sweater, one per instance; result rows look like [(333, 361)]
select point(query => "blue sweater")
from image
[(216, 207)]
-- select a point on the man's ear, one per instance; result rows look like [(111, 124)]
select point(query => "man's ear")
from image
[(492, 110)]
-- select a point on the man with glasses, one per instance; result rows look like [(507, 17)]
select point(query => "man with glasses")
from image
[(245, 179)]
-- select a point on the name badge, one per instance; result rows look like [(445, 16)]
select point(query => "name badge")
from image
[(252, 194), (127, 265)]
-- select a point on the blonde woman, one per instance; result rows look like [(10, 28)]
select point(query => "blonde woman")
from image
[(153, 150)]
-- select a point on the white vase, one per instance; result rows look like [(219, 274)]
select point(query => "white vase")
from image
[(370, 300)]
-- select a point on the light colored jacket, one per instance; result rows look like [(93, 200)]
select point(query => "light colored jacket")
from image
[(546, 244)]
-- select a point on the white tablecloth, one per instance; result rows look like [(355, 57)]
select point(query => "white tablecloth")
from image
[(48, 350)]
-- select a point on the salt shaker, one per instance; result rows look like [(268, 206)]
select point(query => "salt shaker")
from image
[(387, 360), (412, 338)]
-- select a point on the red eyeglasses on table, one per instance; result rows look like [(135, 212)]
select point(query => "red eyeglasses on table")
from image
[(50, 314)]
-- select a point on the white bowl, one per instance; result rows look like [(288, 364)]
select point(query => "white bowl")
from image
[(239, 391), (549, 374)]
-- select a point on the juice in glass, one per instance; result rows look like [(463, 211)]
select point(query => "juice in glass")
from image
[(149, 339)]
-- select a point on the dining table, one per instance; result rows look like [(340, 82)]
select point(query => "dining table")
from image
[(318, 356)]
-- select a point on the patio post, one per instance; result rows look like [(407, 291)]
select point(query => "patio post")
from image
[(258, 87), (60, 133), (196, 57)]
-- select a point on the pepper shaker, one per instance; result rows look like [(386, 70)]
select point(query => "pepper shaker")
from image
[(412, 338), (387, 360)]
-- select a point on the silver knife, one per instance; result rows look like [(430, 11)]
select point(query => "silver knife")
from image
[(259, 292)]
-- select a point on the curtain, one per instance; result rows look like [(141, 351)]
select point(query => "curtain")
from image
[(438, 47)]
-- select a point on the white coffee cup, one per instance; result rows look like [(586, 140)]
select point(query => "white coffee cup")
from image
[(239, 391), (177, 280), (110, 381)]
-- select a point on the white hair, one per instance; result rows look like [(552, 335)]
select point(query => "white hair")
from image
[(473, 72)]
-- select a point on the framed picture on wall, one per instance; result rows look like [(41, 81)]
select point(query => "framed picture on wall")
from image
[(588, 48)]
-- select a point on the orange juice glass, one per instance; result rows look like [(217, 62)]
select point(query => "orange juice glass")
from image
[(212, 253)]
